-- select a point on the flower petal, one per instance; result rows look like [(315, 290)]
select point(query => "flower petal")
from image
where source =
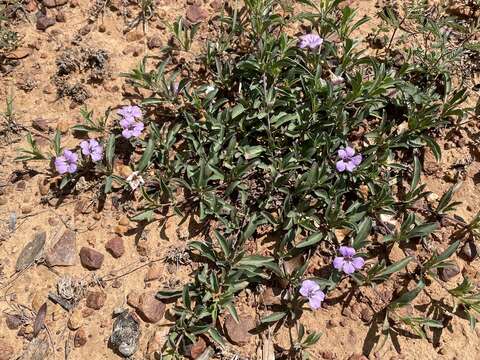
[(342, 154), (357, 159), (350, 151), (350, 166), (358, 262), (348, 267), (338, 262), (347, 251), (341, 166), (308, 287)]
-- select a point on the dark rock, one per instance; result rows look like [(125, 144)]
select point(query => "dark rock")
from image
[(125, 334), (96, 300), (80, 338), (469, 251), (196, 14), (91, 259), (115, 247), (60, 17), (449, 272), (31, 251), (149, 308), (64, 252), (239, 333), (154, 42), (44, 22)]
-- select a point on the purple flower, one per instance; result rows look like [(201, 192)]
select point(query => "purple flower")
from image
[(348, 160), (312, 292), (348, 262), (130, 112), (131, 127), (66, 163), (93, 148), (311, 41)]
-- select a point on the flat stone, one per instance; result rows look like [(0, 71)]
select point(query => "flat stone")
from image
[(31, 251), (196, 14), (96, 300), (154, 272), (134, 36), (44, 22), (149, 308), (154, 42), (449, 272), (239, 333), (115, 247), (90, 258), (469, 251), (64, 251)]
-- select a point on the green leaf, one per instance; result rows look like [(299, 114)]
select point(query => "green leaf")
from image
[(110, 150), (382, 275), (310, 240), (146, 156), (407, 297), (273, 317)]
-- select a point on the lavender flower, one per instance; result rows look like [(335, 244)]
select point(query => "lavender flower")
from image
[(348, 160), (131, 127), (310, 41), (348, 262), (130, 112), (93, 148), (312, 292), (66, 163), (135, 180)]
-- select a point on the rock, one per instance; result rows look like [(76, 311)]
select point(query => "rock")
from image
[(102, 28), (13, 322), (63, 126), (328, 355), (469, 251), (133, 299), (75, 320), (6, 350), (134, 36), (124, 221), (196, 14), (27, 209), (331, 324), (447, 273), (91, 259), (54, 3), (125, 334), (80, 338), (149, 308), (96, 300), (60, 17), (238, 333), (366, 315), (64, 251), (44, 22), (154, 272), (87, 312), (197, 348), (43, 186), (31, 251), (120, 229), (38, 300), (216, 4), (154, 42), (40, 124), (31, 6), (115, 247)]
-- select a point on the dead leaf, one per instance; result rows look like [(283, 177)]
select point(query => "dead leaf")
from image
[(31, 251), (268, 352), (40, 320)]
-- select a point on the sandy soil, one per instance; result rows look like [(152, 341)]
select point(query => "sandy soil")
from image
[(344, 332)]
